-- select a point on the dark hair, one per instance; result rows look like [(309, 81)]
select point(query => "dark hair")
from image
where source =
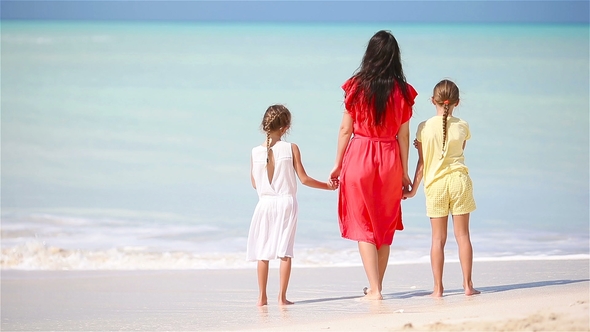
[(275, 118), (380, 70), (445, 93)]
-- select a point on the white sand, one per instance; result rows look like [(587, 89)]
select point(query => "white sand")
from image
[(549, 295)]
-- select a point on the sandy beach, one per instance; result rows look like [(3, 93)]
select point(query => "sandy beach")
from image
[(534, 295)]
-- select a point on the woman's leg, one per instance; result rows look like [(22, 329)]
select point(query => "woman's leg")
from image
[(262, 281), (437, 252), (370, 260), (461, 226), (383, 259), (284, 275)]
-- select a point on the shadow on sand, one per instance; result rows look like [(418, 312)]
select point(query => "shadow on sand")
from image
[(483, 290), (503, 288), (328, 299)]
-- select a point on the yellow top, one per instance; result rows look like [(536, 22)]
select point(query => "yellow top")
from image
[(430, 134)]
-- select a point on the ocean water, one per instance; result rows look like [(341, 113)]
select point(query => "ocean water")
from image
[(127, 145)]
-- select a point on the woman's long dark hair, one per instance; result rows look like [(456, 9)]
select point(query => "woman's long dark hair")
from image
[(379, 72)]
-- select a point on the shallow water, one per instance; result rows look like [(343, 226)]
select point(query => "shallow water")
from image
[(126, 145)]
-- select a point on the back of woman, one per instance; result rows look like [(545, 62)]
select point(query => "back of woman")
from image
[(372, 155), (398, 111), (372, 169)]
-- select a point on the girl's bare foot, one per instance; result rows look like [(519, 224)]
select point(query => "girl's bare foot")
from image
[(262, 301), (471, 291), (285, 302)]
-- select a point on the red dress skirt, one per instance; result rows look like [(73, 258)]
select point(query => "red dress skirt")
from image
[(369, 202)]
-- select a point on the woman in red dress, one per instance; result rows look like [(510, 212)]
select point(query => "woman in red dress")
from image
[(372, 155)]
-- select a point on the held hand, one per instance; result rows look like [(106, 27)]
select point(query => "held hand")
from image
[(406, 185), (333, 184), (335, 172), (416, 143), (406, 182), (409, 194)]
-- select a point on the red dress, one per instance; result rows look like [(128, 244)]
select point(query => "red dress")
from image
[(369, 203)]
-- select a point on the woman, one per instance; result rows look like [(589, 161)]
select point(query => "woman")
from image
[(372, 166)]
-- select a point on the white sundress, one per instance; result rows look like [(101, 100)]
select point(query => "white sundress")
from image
[(272, 230)]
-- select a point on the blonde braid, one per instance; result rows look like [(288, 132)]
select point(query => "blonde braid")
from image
[(276, 117), (267, 146), (444, 124), (270, 117), (445, 93)]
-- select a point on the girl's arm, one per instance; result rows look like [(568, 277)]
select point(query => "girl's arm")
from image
[(303, 177), (343, 138), (403, 138), (252, 176), (419, 173)]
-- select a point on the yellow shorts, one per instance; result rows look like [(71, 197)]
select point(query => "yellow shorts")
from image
[(452, 193)]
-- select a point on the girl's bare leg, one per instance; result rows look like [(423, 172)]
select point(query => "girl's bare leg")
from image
[(437, 252), (461, 226), (285, 274), (262, 281), (383, 259), (370, 260)]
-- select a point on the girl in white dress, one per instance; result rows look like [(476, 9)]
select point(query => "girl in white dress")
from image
[(272, 230)]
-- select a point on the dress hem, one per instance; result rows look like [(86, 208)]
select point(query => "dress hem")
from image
[(267, 259)]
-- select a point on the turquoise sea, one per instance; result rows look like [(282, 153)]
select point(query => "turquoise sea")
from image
[(127, 145)]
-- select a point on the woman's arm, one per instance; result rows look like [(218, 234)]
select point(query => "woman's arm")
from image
[(344, 135), (303, 177), (403, 138)]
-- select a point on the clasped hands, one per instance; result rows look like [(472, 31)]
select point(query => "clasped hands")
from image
[(407, 188)]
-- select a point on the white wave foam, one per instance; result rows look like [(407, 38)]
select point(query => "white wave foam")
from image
[(38, 256)]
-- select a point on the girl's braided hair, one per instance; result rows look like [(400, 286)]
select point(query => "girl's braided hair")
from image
[(275, 118), (445, 93)]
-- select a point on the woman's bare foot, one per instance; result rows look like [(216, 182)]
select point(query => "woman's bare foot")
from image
[(471, 291), (371, 295), (262, 301), (437, 293)]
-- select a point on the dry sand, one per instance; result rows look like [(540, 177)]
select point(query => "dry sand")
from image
[(539, 295)]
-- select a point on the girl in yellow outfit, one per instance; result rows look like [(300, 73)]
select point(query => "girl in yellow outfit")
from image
[(440, 141)]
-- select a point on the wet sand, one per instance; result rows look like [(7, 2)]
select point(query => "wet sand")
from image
[(536, 295)]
